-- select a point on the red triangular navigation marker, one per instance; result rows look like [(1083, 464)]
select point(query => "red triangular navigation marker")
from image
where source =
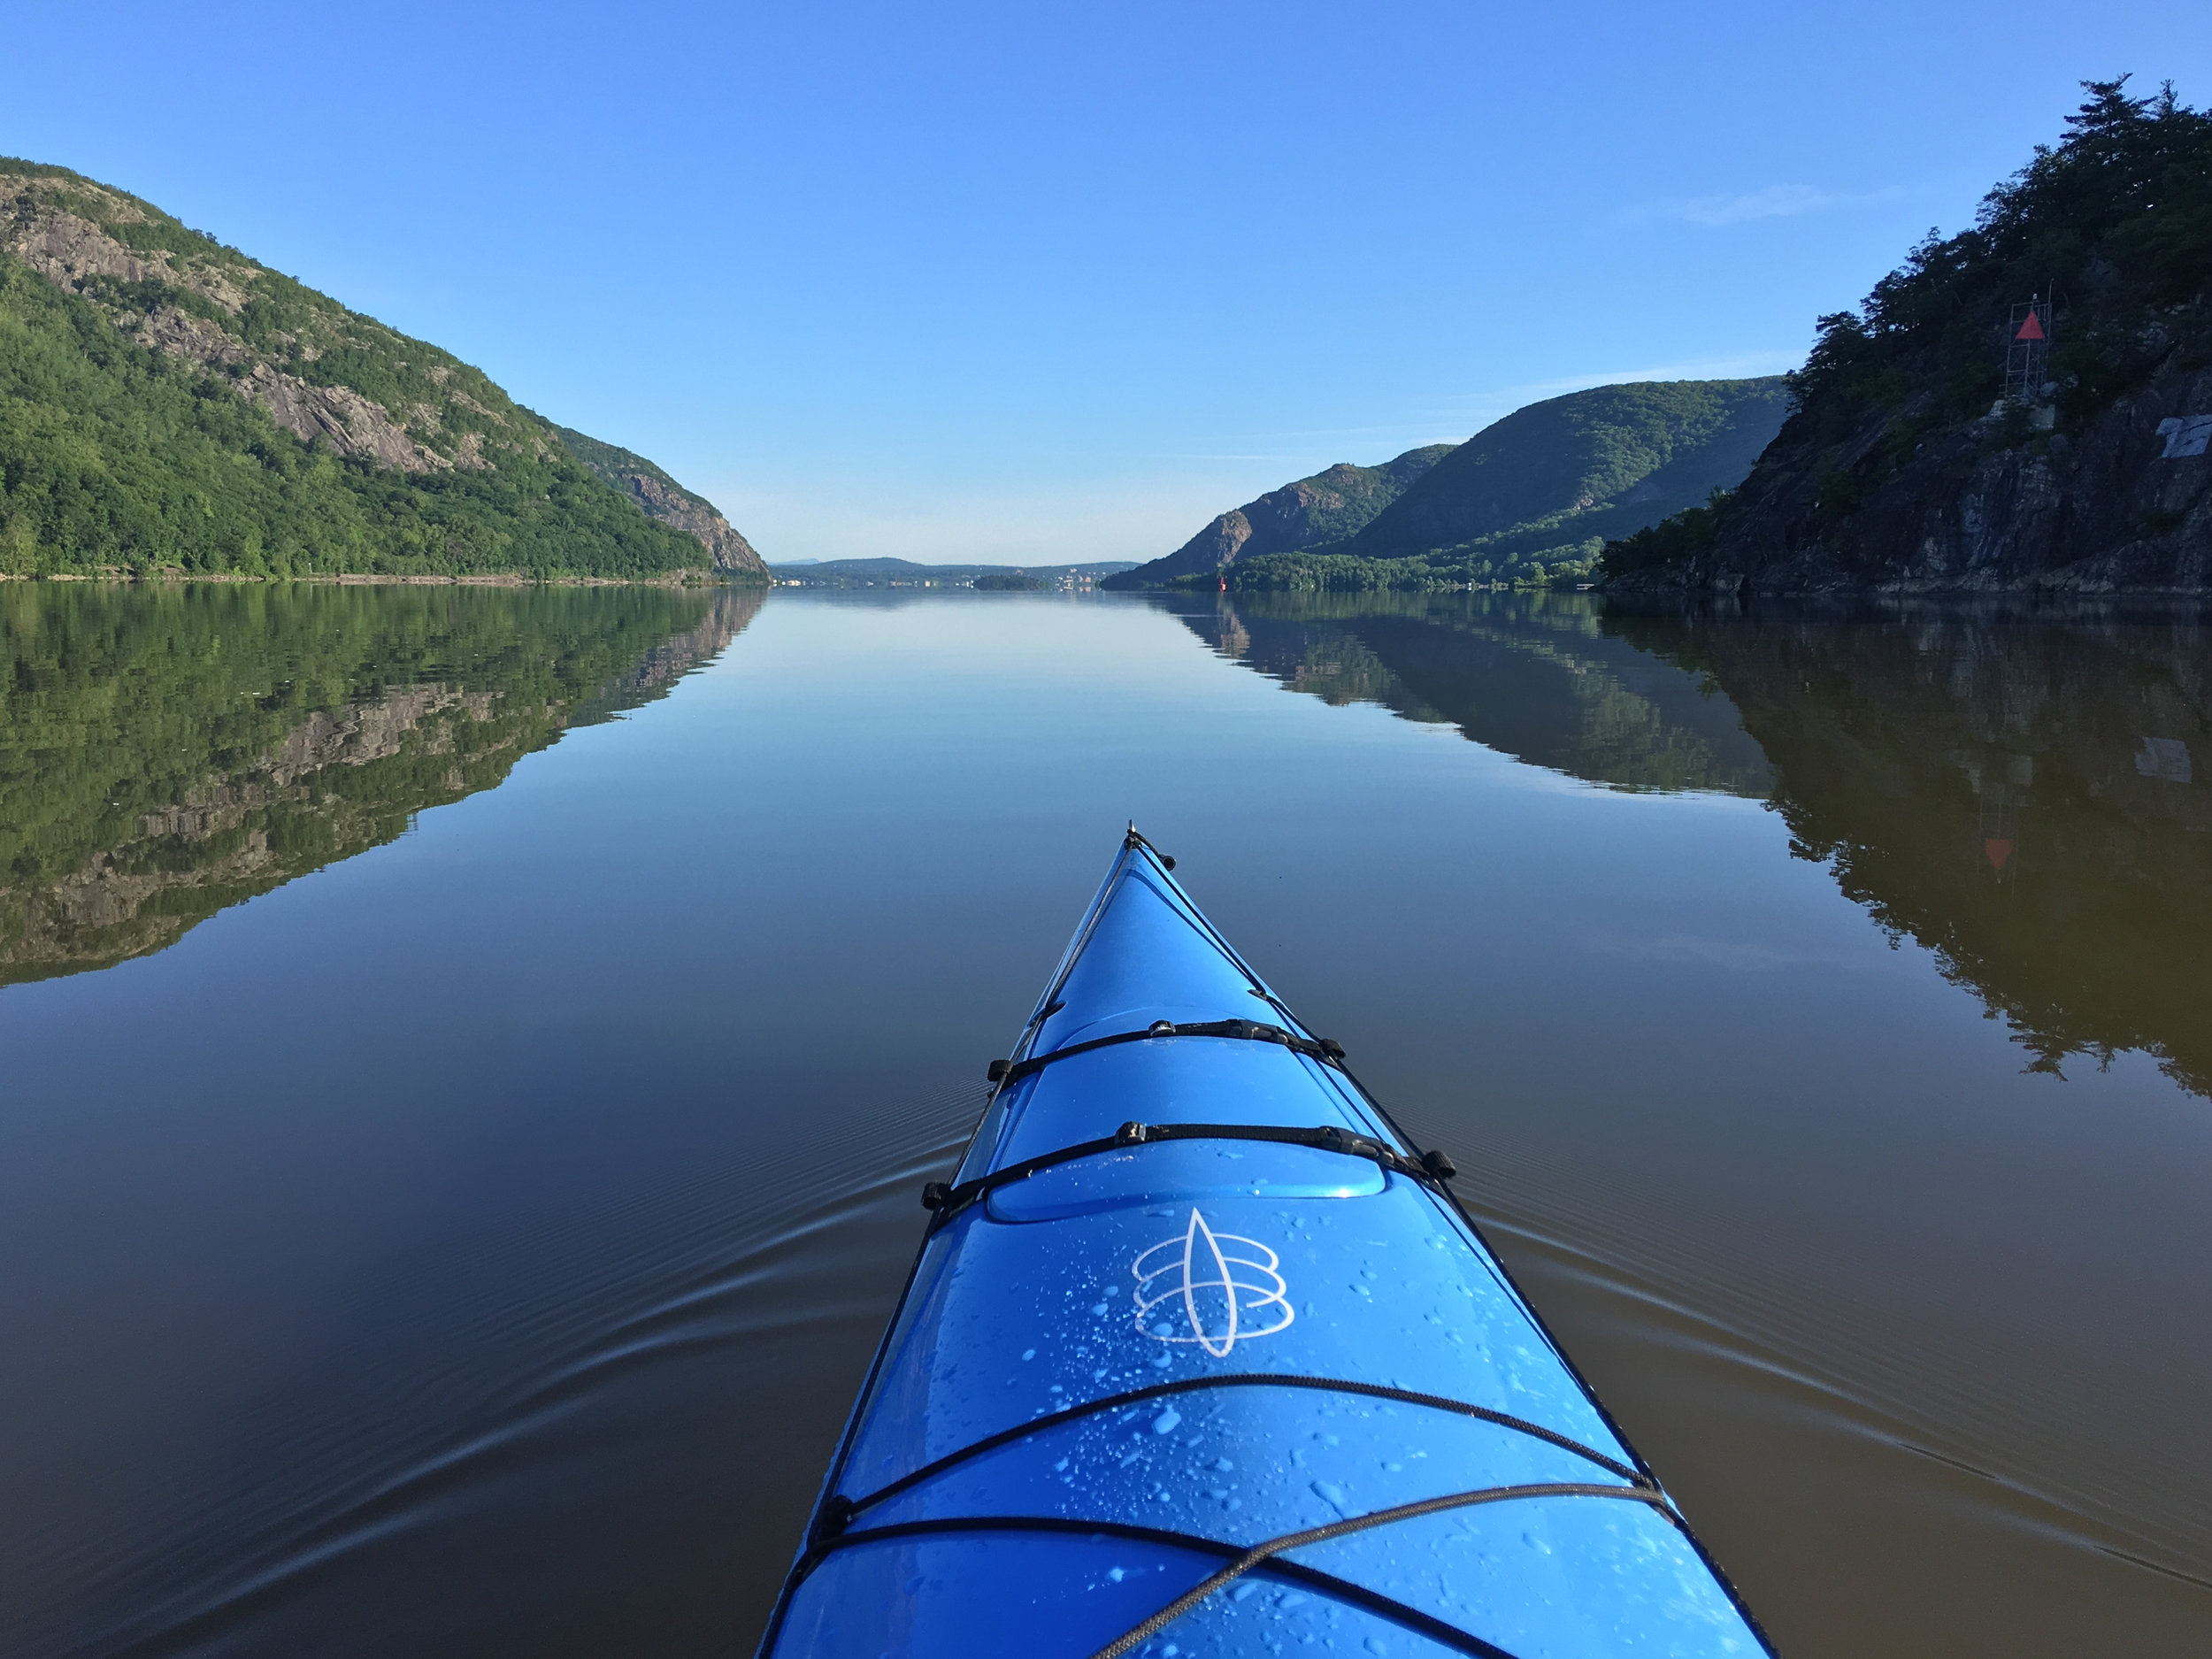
[(2031, 329), (1996, 851)]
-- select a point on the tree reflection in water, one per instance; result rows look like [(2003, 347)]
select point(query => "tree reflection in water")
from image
[(2023, 791), (168, 752)]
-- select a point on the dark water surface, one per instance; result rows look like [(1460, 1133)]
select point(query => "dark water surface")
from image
[(467, 1059)]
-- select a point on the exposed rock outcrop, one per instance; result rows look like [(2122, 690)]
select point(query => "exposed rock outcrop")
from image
[(75, 253), (659, 496)]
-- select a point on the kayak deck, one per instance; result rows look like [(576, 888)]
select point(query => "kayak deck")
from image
[(1200, 1357)]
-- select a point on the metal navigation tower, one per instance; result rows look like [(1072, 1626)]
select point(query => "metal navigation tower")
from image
[(2028, 351)]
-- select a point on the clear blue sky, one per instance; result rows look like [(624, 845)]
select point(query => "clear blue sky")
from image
[(1043, 281)]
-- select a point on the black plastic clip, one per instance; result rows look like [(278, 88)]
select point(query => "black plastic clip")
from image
[(1440, 1165), (1132, 1133), (836, 1514), (936, 1195), (995, 1072)]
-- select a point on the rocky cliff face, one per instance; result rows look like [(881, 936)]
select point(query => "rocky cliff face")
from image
[(660, 496), (1993, 506), (276, 342), (1215, 546)]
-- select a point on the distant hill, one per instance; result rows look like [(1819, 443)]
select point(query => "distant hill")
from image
[(1589, 466), (905, 572), (1912, 464), (1527, 500), (1333, 503), (660, 496), (167, 402)]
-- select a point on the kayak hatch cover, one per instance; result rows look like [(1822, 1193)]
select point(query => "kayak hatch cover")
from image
[(1200, 1356)]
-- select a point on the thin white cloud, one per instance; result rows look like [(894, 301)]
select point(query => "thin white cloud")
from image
[(1775, 201)]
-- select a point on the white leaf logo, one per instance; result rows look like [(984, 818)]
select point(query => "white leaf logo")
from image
[(1225, 1289)]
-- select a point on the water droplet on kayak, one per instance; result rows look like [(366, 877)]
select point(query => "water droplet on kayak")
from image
[(1029, 1353), (1330, 1493), (1060, 1467), (1536, 1543), (1244, 1591), (1224, 1465), (1099, 1309), (1115, 1573), (1165, 1423)]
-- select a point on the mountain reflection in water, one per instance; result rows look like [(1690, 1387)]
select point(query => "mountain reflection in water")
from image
[(2017, 791), (168, 752), (2022, 792), (1535, 676)]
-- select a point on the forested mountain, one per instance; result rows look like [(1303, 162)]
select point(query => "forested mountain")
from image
[(166, 403), (1334, 502), (1588, 465), (1528, 499), (1909, 465)]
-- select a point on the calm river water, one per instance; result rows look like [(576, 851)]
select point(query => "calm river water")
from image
[(467, 1060)]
